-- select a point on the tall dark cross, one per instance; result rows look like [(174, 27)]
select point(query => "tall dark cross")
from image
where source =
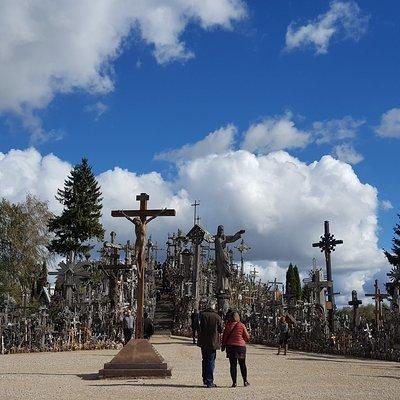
[(140, 218), (327, 244), (196, 219), (355, 303), (378, 297)]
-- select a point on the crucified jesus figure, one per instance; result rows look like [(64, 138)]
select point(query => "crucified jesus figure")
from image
[(140, 232)]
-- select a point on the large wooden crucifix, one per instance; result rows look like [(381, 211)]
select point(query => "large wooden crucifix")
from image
[(327, 244), (140, 219)]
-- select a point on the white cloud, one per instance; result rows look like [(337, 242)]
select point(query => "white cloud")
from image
[(97, 109), (274, 133), (390, 124), (219, 141), (347, 153), (343, 18), (267, 271), (336, 129), (280, 201), (57, 47), (26, 171), (386, 205)]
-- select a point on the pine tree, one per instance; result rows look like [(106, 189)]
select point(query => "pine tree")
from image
[(394, 259), (80, 219), (297, 283), (290, 281)]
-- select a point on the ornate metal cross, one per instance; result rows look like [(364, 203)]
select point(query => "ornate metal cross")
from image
[(327, 244)]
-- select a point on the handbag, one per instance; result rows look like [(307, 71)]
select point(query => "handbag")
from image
[(227, 338)]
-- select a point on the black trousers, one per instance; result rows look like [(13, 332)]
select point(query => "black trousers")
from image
[(128, 334), (243, 369)]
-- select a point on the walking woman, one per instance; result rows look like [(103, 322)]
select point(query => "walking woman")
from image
[(234, 341), (284, 335)]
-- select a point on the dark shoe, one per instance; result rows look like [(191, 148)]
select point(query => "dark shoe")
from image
[(212, 385), (234, 385), (246, 383)]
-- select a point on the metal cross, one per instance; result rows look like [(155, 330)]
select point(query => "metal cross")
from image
[(327, 244)]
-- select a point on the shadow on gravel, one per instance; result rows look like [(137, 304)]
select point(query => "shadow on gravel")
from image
[(380, 376), (88, 377), (172, 343), (34, 373), (152, 385)]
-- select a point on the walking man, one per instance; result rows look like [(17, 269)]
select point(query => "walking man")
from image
[(127, 325), (209, 341), (148, 327)]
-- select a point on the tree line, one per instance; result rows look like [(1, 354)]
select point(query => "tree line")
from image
[(31, 236)]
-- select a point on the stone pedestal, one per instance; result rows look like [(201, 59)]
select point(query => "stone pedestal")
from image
[(137, 359)]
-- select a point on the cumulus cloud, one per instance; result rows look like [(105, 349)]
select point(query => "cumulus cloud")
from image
[(27, 171), (280, 201), (344, 18), (390, 124), (275, 133), (57, 47), (347, 153), (336, 129), (219, 141)]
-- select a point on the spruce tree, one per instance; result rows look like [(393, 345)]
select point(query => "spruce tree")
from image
[(394, 259), (290, 280), (297, 283), (80, 219)]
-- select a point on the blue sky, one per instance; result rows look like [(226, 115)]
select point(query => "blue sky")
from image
[(240, 76)]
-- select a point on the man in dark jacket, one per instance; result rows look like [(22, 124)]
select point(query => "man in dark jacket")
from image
[(209, 342), (148, 327)]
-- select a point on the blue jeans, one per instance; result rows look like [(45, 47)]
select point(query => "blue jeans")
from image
[(208, 365)]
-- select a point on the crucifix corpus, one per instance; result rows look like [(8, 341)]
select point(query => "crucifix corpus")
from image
[(140, 218)]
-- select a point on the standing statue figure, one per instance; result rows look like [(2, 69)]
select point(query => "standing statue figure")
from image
[(222, 259)]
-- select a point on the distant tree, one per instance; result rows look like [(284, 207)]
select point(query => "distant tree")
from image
[(290, 280), (297, 283), (80, 218), (394, 259), (24, 238)]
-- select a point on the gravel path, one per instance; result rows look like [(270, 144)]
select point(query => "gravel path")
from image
[(73, 375)]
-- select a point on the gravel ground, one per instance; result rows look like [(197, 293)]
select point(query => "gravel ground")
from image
[(73, 375)]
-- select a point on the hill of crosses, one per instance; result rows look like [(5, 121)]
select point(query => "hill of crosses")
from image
[(92, 289)]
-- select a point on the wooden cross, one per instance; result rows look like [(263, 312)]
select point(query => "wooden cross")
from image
[(253, 273), (140, 219), (242, 248), (327, 244), (355, 303), (195, 218), (378, 297)]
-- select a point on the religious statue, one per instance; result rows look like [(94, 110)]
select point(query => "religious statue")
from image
[(222, 258), (140, 243)]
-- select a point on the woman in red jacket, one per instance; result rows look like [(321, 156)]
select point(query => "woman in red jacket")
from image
[(234, 341)]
